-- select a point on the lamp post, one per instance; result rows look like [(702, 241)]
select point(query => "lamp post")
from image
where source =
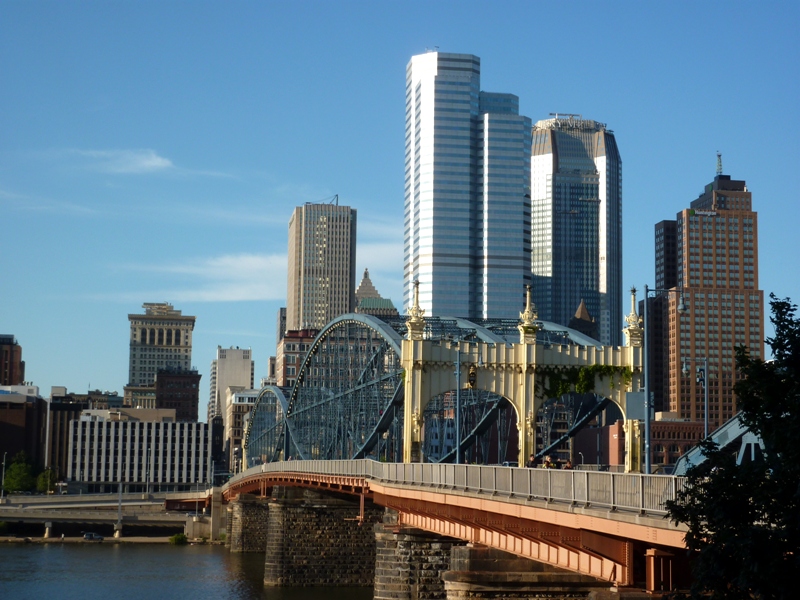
[(458, 401), (3, 485), (681, 308), (702, 378), (581, 455)]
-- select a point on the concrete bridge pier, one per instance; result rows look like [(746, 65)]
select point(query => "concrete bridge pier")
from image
[(247, 524), (48, 529), (117, 530), (318, 539)]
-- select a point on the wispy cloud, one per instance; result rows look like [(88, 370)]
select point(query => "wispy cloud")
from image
[(126, 161), (27, 202), (227, 278)]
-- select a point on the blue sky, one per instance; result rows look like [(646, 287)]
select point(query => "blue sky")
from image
[(154, 151)]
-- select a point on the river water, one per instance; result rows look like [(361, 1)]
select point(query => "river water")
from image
[(143, 572)]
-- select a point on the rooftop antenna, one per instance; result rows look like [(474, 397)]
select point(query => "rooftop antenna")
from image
[(719, 163)]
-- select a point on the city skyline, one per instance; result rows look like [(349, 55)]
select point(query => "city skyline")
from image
[(144, 166)]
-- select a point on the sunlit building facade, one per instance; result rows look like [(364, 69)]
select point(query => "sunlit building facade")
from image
[(322, 265), (467, 185)]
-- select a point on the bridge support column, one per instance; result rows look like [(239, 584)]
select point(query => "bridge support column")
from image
[(248, 524), (218, 513), (117, 530), (409, 562), (486, 573), (48, 530), (314, 539)]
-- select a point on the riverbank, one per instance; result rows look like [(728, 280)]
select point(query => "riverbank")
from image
[(10, 539)]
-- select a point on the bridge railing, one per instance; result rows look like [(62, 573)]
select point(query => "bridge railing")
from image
[(614, 491)]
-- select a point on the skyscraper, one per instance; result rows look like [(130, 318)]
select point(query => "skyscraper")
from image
[(467, 186), (12, 367), (160, 338), (576, 223), (716, 274), (322, 265)]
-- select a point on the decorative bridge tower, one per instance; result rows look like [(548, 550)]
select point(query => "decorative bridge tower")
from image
[(526, 373)]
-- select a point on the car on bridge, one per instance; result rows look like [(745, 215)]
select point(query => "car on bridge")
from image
[(93, 537)]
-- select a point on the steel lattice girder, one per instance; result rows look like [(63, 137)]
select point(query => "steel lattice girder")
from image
[(346, 390)]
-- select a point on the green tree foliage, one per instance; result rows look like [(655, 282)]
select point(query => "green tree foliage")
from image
[(744, 521), (19, 475), (46, 481)]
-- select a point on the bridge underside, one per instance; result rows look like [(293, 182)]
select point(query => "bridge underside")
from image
[(576, 539)]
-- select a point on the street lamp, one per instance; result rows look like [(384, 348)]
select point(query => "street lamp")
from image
[(581, 455), (458, 400), (681, 308), (702, 378), (3, 485)]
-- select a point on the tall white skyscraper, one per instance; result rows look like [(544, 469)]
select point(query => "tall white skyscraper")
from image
[(467, 186), (576, 223)]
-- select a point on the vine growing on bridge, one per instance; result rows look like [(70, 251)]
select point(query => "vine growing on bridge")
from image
[(555, 381)]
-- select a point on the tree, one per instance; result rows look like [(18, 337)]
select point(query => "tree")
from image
[(19, 475), (46, 481), (744, 521)]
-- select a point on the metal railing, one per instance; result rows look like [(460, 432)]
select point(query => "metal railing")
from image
[(644, 494)]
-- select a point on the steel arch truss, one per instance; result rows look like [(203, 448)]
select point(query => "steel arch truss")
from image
[(265, 433), (488, 428), (347, 399)]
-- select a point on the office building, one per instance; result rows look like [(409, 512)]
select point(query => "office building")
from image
[(467, 192), (108, 448), (291, 353), (576, 222), (239, 402), (322, 265), (160, 338), (715, 272), (370, 302), (23, 417), (12, 367), (178, 390), (231, 367)]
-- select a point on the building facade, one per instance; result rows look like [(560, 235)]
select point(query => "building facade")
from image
[(231, 367), (716, 277), (141, 455), (179, 390), (12, 367), (23, 419), (576, 222), (291, 352), (240, 402), (160, 338), (322, 265), (467, 191), (370, 302)]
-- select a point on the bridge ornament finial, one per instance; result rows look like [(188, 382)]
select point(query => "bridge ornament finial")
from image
[(528, 326), (633, 332), (416, 320)]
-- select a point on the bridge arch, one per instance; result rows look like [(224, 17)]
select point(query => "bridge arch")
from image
[(346, 402), (265, 438)]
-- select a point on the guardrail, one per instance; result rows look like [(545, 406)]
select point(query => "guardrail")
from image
[(614, 491)]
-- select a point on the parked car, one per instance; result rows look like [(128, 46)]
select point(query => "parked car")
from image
[(93, 537)]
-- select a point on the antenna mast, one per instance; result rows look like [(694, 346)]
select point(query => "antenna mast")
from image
[(719, 163)]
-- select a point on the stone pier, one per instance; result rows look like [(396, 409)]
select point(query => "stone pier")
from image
[(316, 539), (248, 522), (487, 574), (409, 562)]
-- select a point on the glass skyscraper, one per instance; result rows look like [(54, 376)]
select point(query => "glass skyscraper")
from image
[(467, 191), (576, 223)]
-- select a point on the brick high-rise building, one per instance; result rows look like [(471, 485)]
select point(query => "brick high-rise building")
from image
[(12, 367), (715, 273)]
